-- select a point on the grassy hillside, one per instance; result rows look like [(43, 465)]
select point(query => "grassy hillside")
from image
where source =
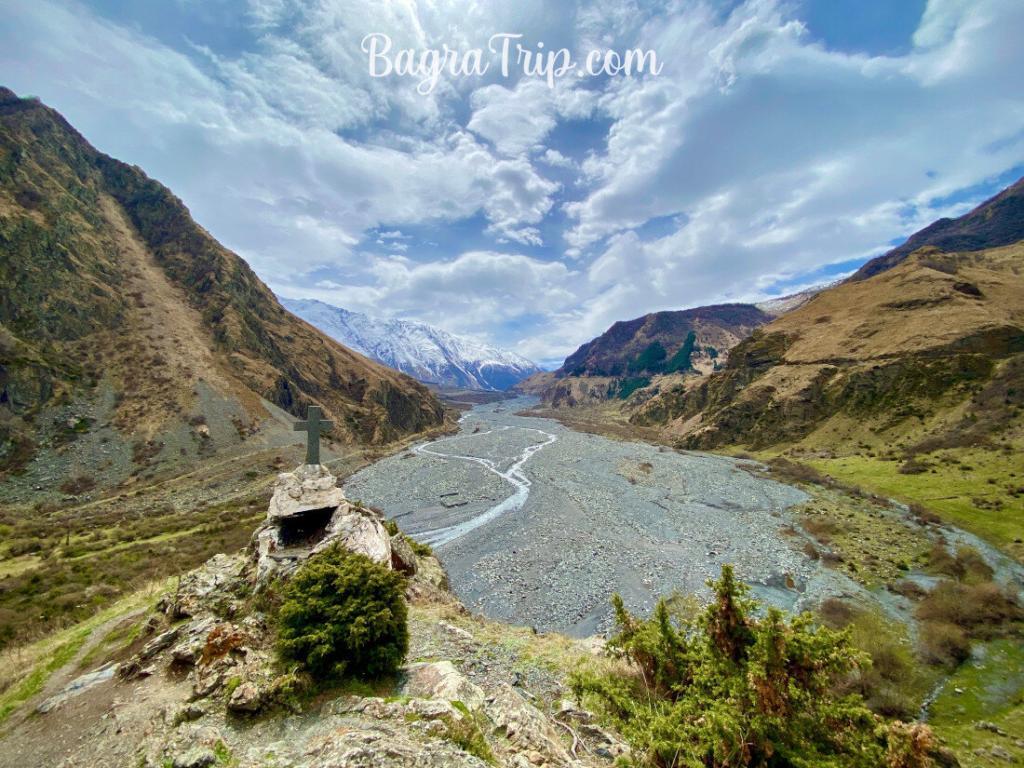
[(908, 383), (119, 312)]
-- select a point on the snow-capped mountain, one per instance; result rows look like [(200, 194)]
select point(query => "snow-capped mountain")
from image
[(420, 350), (783, 304)]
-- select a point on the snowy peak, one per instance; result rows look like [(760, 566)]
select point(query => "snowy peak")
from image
[(420, 350), (782, 304)]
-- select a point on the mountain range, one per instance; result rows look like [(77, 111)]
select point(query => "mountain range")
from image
[(128, 329), (424, 352), (632, 353), (925, 345), (906, 378)]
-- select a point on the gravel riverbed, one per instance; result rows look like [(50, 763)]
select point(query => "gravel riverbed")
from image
[(539, 524)]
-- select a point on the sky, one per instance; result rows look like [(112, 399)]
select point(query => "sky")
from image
[(782, 144)]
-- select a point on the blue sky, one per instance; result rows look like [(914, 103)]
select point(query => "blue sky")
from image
[(783, 143)]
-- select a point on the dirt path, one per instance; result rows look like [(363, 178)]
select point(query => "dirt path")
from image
[(61, 677)]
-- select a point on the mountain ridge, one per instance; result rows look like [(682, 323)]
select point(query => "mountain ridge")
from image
[(117, 304), (995, 222)]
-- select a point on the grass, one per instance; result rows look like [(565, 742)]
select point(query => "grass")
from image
[(873, 545), (468, 735), (974, 489), (991, 689), (121, 635), (88, 562), (33, 682), (24, 671)]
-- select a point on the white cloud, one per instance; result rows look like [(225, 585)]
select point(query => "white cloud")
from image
[(757, 155), (476, 290), (556, 159), (518, 119)]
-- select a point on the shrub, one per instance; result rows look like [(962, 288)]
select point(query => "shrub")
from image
[(981, 610), (343, 614), (77, 485), (976, 570), (419, 548), (943, 643), (913, 467), (732, 689), (883, 684), (651, 359)]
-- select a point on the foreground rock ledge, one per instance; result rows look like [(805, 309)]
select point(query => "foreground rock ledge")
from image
[(203, 688)]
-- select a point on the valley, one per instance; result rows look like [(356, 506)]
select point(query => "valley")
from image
[(852, 453), (539, 524)]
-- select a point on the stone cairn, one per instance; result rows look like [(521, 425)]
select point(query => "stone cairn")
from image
[(308, 513)]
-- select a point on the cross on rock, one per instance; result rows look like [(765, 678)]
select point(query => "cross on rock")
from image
[(312, 426)]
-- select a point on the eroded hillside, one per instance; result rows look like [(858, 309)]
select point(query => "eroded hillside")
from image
[(120, 313)]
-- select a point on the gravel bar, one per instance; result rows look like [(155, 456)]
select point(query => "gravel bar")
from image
[(539, 524)]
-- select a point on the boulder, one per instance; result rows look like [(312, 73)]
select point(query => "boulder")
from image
[(197, 757), (403, 559), (159, 643), (358, 530), (440, 680), (307, 514), (77, 686), (525, 726), (201, 588), (247, 697)]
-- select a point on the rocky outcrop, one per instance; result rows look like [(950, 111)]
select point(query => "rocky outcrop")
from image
[(526, 728), (308, 488), (204, 686), (308, 513), (235, 701), (440, 680)]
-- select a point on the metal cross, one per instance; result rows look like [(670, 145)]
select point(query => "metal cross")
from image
[(312, 426)]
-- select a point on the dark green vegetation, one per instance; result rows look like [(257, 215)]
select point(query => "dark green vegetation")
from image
[(735, 687), (342, 614), (654, 358), (682, 360), (109, 286), (661, 342), (625, 387)]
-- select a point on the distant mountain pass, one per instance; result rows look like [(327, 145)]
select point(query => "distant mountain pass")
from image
[(420, 350)]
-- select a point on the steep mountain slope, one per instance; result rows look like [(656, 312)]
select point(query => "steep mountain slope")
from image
[(928, 350), (660, 347), (420, 350), (118, 313), (998, 221), (619, 350)]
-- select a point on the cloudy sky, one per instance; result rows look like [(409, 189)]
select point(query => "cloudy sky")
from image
[(783, 143)]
